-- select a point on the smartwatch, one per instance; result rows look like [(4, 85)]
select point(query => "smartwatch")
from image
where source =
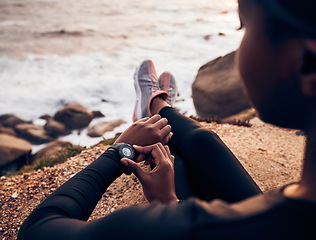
[(124, 150)]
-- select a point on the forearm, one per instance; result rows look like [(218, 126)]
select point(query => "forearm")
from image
[(78, 197)]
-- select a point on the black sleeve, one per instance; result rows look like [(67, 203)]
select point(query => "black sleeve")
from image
[(75, 200), (63, 215)]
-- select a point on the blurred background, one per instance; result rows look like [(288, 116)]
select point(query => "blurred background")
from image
[(55, 52)]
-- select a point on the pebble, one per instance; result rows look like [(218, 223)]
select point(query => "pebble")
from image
[(15, 195)]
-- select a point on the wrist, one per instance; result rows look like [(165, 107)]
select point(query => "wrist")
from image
[(123, 150)]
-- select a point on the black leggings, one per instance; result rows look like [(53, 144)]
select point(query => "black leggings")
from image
[(204, 166)]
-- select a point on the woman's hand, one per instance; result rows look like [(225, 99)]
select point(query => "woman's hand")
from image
[(147, 131), (158, 184)]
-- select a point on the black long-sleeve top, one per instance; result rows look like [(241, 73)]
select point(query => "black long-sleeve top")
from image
[(63, 215)]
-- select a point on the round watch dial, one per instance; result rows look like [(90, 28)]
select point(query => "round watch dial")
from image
[(127, 152)]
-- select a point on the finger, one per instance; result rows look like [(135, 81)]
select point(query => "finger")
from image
[(169, 136), (172, 159), (134, 168), (162, 149), (161, 123), (156, 150), (165, 140), (167, 150), (143, 149), (148, 160), (143, 119), (141, 158), (154, 118), (165, 130)]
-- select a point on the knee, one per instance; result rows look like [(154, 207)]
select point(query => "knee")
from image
[(203, 137)]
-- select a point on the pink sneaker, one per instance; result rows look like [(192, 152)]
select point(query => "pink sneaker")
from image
[(146, 86), (168, 83)]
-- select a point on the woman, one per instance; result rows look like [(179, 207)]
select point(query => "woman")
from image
[(277, 63)]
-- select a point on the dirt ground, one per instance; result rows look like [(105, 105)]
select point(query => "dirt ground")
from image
[(271, 155)]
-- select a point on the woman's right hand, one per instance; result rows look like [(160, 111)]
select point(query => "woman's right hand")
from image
[(147, 131), (158, 184)]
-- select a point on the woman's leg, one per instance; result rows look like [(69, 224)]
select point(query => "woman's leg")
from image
[(212, 169), (183, 185)]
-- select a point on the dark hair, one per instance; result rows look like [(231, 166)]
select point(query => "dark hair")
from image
[(290, 18)]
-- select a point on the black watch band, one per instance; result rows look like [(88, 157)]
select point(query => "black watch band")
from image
[(124, 150)]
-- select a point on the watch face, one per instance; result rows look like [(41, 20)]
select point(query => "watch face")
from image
[(127, 152)]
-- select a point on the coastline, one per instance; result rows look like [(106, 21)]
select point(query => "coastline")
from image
[(84, 52)]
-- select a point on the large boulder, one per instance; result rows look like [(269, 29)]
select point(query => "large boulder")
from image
[(34, 134), (51, 149), (7, 130), (99, 129), (10, 120), (14, 152), (55, 128), (217, 90), (74, 116)]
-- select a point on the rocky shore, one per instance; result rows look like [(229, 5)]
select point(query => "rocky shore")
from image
[(224, 99), (17, 135), (271, 155)]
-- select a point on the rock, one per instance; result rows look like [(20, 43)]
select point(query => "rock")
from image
[(15, 195), (97, 114), (7, 130), (14, 152), (217, 90), (51, 149), (99, 129), (208, 36), (10, 120), (74, 116), (55, 128), (34, 134), (45, 117)]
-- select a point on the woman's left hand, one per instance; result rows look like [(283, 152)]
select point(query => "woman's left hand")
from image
[(147, 131)]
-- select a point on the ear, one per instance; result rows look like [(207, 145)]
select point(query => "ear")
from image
[(308, 72)]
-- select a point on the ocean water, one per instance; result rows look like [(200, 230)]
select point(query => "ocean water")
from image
[(172, 33)]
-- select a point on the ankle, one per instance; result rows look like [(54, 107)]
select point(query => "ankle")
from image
[(157, 104)]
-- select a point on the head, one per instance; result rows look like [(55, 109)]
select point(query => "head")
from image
[(277, 60)]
